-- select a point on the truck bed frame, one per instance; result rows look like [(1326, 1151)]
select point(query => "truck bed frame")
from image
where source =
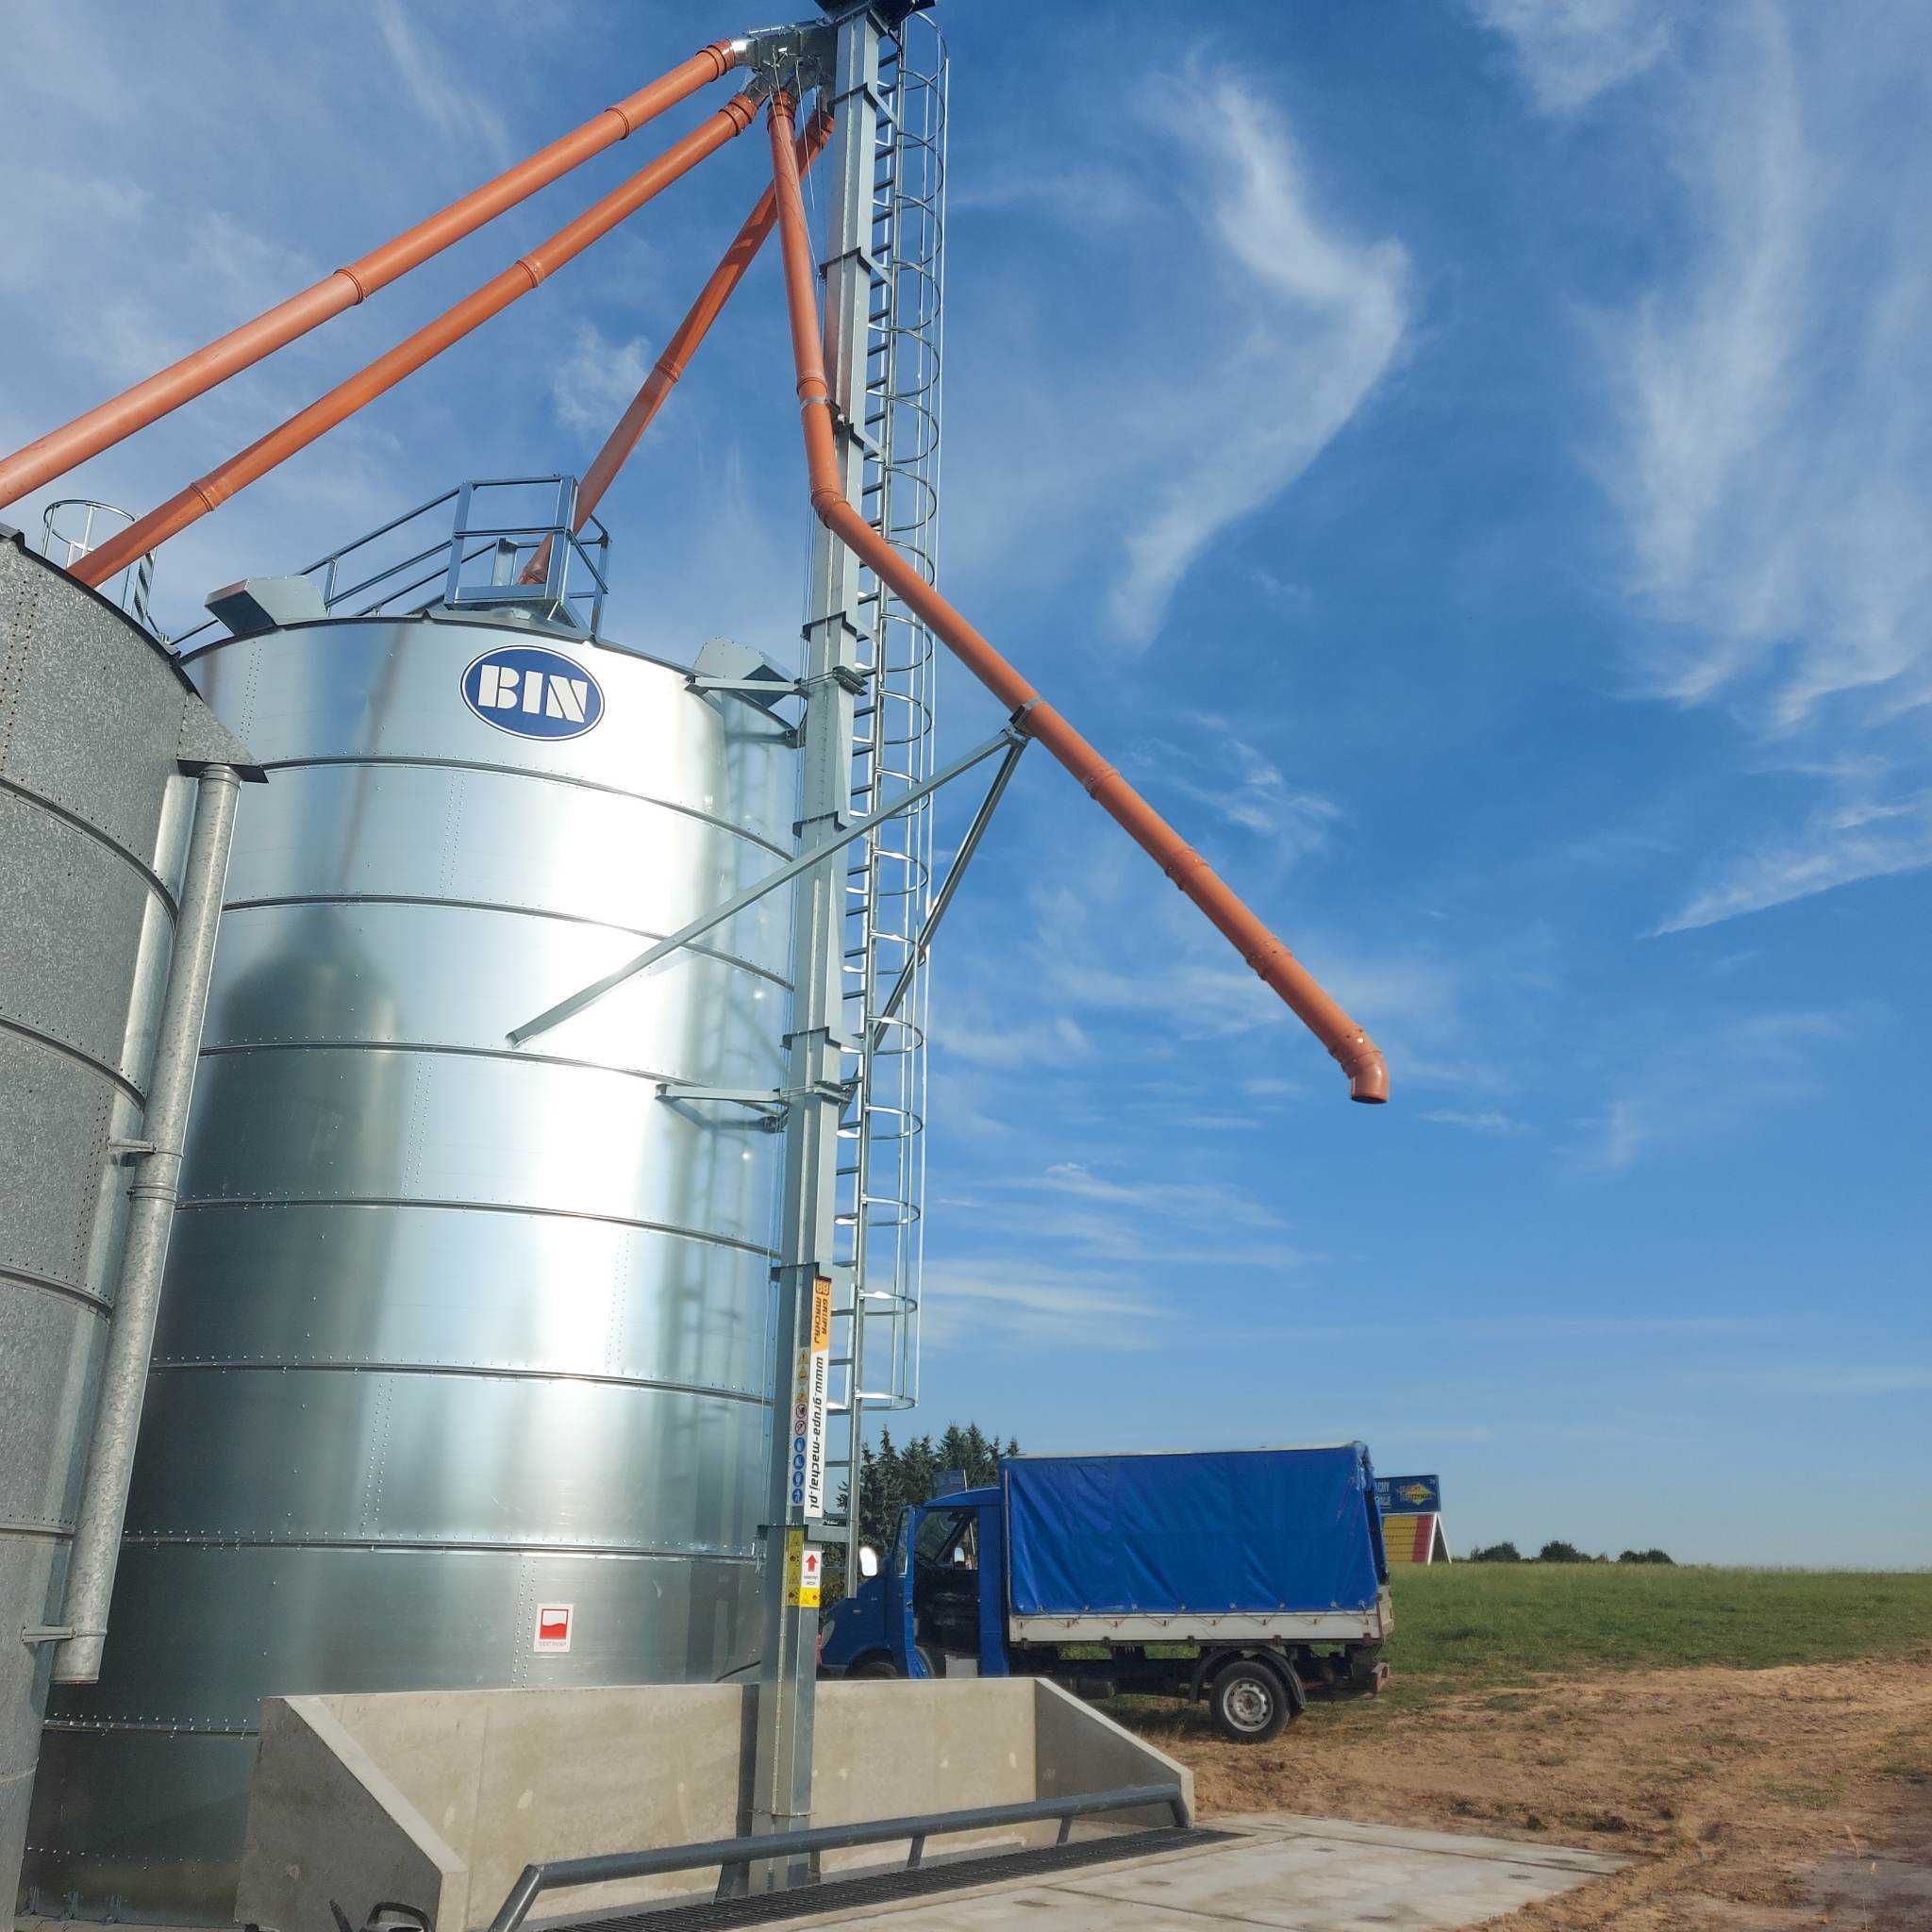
[(1231, 1627)]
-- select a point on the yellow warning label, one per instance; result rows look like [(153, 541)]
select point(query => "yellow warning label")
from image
[(821, 1313), (804, 1572)]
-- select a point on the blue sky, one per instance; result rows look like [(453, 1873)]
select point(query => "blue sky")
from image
[(1468, 462)]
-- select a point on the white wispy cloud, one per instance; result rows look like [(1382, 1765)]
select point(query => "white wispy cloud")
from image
[(1844, 840), (996, 1304), (463, 116), (1271, 1087), (1488, 1121), (594, 382), (1699, 1091), (1322, 317), (1212, 1202), (982, 1032), (1771, 460), (1220, 769), (1265, 328), (1570, 51), (1106, 948)]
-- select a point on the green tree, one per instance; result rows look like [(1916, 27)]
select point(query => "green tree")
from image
[(1496, 1553), (893, 1475)]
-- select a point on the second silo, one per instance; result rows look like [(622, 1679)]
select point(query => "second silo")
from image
[(461, 1378)]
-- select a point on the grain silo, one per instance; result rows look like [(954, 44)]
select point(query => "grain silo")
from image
[(453, 1334)]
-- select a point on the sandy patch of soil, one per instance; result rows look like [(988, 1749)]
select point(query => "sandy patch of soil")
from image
[(1754, 1800)]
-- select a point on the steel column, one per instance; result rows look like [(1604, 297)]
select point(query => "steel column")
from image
[(781, 1797)]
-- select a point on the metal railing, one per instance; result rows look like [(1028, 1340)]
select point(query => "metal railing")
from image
[(136, 581), (737, 1855), (368, 577)]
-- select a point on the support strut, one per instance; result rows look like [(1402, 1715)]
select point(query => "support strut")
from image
[(1009, 740), (188, 505), (113, 421), (683, 345)]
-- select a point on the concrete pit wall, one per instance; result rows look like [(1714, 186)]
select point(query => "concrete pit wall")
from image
[(440, 1799)]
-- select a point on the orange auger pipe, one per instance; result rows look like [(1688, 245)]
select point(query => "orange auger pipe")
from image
[(188, 505), (683, 345), (1360, 1058), (113, 421)]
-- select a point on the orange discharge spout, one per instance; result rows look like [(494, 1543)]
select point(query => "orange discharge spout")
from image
[(495, 295), (1360, 1058), (113, 421)]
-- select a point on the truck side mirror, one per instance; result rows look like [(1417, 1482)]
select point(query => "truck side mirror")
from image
[(868, 1560)]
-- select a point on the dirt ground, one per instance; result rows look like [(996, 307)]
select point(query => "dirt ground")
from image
[(1752, 1800)]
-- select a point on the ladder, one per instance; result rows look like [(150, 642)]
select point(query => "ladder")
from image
[(875, 1352)]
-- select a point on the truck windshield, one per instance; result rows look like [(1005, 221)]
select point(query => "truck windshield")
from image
[(947, 1537)]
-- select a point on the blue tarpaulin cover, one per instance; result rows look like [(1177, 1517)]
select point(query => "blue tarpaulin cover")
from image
[(1261, 1530)]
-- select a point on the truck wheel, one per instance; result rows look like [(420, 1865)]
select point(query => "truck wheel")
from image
[(874, 1667), (1249, 1703)]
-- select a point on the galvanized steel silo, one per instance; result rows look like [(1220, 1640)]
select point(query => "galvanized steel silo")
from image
[(116, 786), (452, 1332)]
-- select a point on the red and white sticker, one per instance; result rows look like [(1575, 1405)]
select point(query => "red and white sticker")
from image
[(554, 1622)]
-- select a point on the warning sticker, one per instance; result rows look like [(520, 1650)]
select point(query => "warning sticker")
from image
[(811, 1390), (553, 1621), (804, 1572)]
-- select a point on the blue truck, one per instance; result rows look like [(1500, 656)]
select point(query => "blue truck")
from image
[(1247, 1578)]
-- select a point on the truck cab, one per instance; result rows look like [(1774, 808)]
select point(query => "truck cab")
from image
[(933, 1606), (940, 1602)]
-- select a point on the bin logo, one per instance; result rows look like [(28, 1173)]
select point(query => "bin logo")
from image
[(534, 693)]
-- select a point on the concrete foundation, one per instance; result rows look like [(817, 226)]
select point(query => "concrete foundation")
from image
[(438, 1799), (1281, 1873)]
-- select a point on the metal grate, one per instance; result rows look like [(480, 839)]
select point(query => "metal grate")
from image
[(838, 1895)]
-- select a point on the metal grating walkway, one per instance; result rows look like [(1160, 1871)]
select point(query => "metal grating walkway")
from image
[(884, 1887)]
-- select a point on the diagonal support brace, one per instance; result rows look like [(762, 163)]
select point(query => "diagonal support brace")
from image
[(929, 927), (569, 1008)]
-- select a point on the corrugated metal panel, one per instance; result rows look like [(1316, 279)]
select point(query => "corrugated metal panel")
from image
[(94, 815)]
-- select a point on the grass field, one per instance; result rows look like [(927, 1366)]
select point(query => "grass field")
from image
[(1761, 1740), (1467, 1626)]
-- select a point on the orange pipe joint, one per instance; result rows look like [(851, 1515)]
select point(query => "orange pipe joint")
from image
[(113, 421), (190, 504), (1352, 1048)]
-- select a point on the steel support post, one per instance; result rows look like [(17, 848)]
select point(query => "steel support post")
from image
[(834, 641), (144, 1253)]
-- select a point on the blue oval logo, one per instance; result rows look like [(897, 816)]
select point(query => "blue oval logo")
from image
[(534, 693)]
